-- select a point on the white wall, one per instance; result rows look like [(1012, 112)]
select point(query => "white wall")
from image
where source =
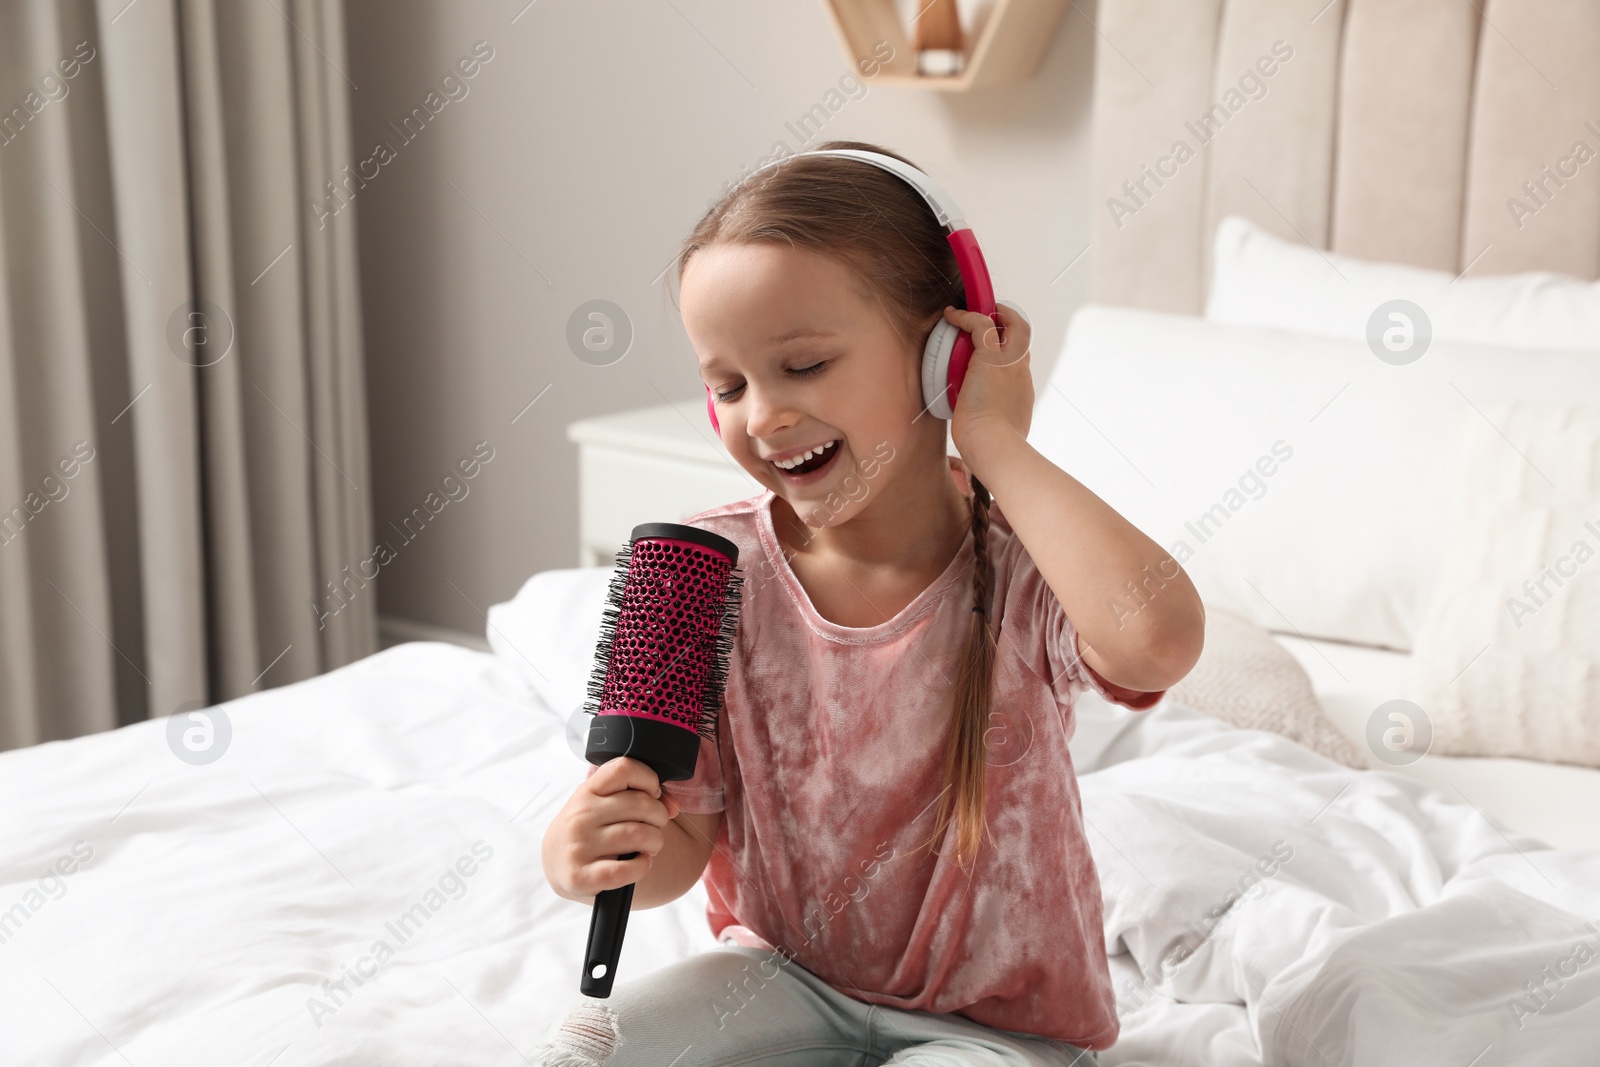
[(588, 146)]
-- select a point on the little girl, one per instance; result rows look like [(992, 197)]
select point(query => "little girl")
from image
[(887, 821)]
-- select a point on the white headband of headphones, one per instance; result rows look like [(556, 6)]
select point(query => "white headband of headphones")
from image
[(944, 208)]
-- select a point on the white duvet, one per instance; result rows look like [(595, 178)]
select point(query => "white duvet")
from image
[(356, 880), (1347, 917)]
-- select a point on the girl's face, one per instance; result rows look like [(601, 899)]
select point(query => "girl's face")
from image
[(797, 354)]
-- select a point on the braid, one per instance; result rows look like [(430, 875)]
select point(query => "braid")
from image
[(966, 757), (980, 545)]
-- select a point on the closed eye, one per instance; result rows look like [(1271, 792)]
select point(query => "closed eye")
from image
[(798, 372)]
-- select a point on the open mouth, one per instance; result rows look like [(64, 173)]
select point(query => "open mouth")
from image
[(813, 464)]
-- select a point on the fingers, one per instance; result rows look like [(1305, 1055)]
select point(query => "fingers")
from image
[(1002, 337), (635, 775), (598, 863), (974, 322), (619, 839), (620, 809), (960, 316), (621, 773), (614, 874), (1008, 315), (1014, 328), (631, 808)]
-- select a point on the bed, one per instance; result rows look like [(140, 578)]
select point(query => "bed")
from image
[(356, 878), (346, 870)]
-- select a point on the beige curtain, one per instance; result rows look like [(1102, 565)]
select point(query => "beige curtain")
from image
[(183, 447)]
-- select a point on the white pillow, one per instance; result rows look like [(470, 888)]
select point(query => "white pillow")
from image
[(1260, 279), (1508, 659), (549, 631), (1247, 679), (1169, 418)]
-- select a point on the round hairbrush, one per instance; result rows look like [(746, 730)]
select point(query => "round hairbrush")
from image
[(660, 669)]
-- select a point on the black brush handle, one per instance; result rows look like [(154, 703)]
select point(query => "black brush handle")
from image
[(606, 927)]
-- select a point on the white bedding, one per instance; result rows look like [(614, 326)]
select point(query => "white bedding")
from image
[(1388, 924), (1554, 802), (216, 900)]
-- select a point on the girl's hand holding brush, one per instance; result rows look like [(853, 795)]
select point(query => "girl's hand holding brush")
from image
[(620, 808)]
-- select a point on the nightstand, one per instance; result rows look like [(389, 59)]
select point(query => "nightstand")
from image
[(652, 464)]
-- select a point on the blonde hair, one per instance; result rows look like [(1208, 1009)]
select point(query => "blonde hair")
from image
[(883, 231)]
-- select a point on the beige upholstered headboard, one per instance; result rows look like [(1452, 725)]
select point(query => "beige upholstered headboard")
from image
[(1461, 135)]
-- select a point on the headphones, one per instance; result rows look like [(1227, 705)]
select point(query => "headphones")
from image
[(949, 348)]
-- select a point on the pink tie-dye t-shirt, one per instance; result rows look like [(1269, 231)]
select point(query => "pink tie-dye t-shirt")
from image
[(827, 766)]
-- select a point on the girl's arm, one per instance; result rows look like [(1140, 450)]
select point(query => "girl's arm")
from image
[(1087, 553), (1085, 550)]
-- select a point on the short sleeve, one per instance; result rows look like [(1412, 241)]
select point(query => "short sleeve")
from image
[(702, 794), (1137, 699), (1031, 605)]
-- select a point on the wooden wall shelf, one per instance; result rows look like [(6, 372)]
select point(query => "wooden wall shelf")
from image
[(1005, 50)]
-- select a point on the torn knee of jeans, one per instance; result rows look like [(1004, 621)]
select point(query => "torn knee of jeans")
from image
[(585, 1038)]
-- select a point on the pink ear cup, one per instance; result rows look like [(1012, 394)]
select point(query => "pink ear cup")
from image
[(979, 292)]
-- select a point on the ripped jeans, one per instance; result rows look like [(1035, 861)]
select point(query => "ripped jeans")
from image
[(720, 1009)]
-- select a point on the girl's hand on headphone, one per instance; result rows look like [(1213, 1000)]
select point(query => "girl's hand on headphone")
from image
[(997, 392)]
